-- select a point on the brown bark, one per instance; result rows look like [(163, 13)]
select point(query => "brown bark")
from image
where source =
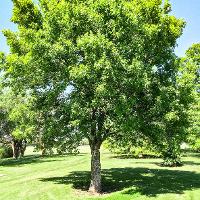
[(95, 184), (18, 147), (23, 148), (43, 149)]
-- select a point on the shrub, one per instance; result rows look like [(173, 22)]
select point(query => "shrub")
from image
[(6, 151), (172, 156)]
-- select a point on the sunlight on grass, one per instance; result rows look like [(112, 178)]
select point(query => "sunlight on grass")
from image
[(67, 178)]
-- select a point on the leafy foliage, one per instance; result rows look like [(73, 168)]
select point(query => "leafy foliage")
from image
[(192, 61), (6, 151), (97, 69)]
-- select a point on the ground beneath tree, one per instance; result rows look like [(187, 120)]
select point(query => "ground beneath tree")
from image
[(67, 178)]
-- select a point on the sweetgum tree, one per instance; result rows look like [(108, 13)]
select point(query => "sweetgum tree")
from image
[(102, 58)]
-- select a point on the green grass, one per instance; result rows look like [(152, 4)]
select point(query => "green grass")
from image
[(67, 177)]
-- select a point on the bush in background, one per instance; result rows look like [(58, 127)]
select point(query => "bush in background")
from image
[(6, 151), (144, 150)]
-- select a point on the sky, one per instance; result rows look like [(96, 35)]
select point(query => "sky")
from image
[(189, 10)]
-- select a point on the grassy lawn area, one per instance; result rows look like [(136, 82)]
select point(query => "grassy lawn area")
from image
[(67, 177)]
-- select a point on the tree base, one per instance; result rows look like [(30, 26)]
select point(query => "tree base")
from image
[(94, 191)]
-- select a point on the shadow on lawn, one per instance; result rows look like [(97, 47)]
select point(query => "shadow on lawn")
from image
[(147, 182), (195, 155), (32, 159), (125, 156), (190, 163), (25, 160)]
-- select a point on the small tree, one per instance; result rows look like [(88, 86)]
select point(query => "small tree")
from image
[(15, 120)]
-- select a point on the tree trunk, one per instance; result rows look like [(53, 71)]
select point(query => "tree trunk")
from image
[(43, 149), (95, 184), (15, 148), (23, 148), (18, 147)]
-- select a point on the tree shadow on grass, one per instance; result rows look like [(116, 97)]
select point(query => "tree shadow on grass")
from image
[(25, 160), (197, 155), (191, 154), (125, 156), (190, 163), (32, 159), (133, 180)]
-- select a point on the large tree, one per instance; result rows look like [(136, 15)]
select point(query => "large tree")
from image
[(104, 59)]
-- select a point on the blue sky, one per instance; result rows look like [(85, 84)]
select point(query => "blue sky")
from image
[(189, 10)]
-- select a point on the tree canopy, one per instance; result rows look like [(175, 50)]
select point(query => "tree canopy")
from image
[(104, 64)]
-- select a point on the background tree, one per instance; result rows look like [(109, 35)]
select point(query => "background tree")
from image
[(165, 117), (52, 130), (15, 120), (192, 72), (106, 59)]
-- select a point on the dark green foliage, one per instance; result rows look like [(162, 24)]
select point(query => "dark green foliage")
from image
[(140, 148), (5, 151), (192, 61), (172, 155)]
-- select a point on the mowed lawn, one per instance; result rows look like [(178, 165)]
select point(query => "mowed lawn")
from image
[(67, 177)]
